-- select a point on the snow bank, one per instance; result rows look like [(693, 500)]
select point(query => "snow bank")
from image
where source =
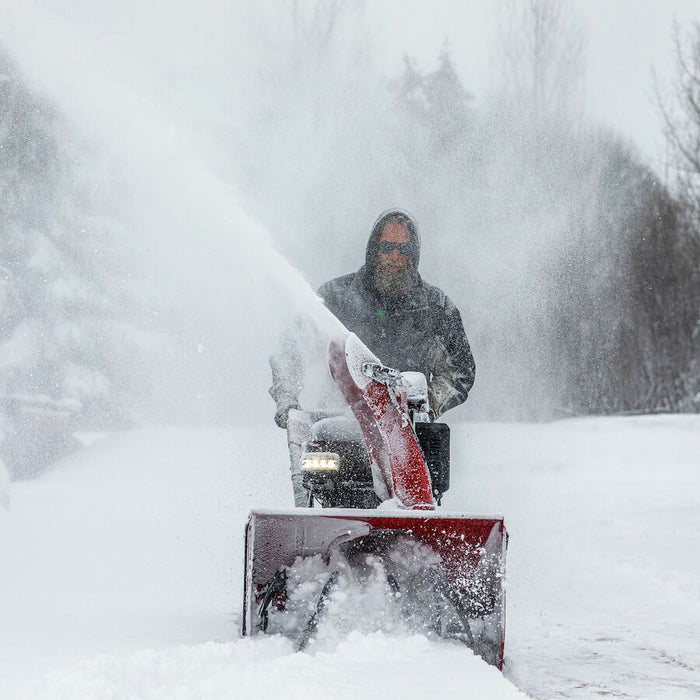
[(374, 666)]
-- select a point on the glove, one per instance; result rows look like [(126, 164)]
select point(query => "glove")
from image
[(283, 409)]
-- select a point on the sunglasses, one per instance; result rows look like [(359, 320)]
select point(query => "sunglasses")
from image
[(387, 248)]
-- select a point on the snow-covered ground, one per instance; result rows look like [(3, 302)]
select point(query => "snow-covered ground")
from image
[(122, 570)]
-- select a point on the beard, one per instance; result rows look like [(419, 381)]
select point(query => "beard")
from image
[(393, 283)]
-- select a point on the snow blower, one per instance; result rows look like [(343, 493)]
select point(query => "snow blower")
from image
[(378, 547)]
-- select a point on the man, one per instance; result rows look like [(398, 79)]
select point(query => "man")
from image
[(406, 322)]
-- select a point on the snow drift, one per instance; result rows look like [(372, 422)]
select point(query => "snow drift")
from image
[(122, 569)]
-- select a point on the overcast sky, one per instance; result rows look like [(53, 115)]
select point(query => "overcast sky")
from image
[(625, 39)]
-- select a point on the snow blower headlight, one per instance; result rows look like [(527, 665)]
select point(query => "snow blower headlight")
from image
[(320, 462)]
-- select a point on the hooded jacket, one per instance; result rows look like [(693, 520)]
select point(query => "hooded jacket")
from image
[(420, 331)]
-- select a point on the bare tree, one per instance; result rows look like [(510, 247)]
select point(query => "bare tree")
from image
[(681, 115), (541, 53)]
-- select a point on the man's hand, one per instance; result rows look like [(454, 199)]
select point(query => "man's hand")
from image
[(284, 406)]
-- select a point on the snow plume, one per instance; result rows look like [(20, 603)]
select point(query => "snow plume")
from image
[(225, 290)]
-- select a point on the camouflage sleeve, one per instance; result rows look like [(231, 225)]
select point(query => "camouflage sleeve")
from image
[(450, 363)]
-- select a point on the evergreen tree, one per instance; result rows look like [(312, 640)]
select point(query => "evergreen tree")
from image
[(67, 324)]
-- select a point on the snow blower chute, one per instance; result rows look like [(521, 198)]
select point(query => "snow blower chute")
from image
[(377, 473)]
